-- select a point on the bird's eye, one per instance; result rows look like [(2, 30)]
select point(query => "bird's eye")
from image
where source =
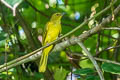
[(57, 14)]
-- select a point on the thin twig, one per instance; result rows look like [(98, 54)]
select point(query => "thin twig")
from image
[(112, 28), (37, 9), (108, 36), (106, 49), (27, 30), (92, 60), (98, 59), (6, 4), (98, 43)]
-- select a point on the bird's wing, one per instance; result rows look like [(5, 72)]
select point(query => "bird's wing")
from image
[(45, 32)]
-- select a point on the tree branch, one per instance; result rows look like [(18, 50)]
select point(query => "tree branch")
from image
[(92, 59), (112, 28), (27, 31)]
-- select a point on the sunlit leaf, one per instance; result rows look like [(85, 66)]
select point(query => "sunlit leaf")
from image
[(60, 74)]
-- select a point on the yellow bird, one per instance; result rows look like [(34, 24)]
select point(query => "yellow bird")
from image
[(51, 33)]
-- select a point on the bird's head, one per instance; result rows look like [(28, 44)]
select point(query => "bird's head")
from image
[(56, 16)]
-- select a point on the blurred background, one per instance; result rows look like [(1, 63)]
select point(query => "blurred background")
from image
[(22, 23)]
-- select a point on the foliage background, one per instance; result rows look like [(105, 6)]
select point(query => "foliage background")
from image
[(20, 35)]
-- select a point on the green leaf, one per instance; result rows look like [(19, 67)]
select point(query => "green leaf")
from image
[(38, 4), (92, 77), (2, 49), (84, 71), (3, 36), (112, 68), (38, 75), (20, 53), (86, 63), (2, 43), (3, 76), (60, 74)]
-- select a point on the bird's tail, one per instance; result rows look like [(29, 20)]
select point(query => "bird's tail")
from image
[(44, 58)]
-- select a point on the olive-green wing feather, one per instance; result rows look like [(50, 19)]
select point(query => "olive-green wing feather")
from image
[(45, 33)]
